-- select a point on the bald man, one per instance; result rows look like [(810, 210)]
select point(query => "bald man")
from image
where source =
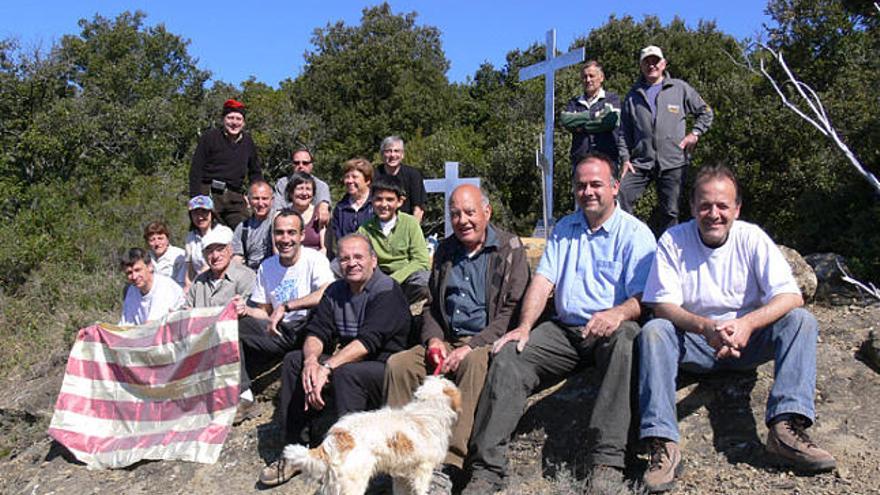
[(479, 276)]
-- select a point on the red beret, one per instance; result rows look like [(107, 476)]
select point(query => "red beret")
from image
[(231, 105)]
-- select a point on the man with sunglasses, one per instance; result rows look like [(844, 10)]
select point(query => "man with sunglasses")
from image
[(303, 161)]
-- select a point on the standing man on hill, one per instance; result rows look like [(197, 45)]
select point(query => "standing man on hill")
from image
[(303, 161), (594, 118), (220, 162), (653, 124), (413, 181)]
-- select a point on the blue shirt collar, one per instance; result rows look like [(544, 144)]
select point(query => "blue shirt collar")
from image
[(608, 226)]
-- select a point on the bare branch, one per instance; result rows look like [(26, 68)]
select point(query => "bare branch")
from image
[(816, 116), (871, 289)]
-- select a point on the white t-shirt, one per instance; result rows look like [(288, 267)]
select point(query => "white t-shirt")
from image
[(721, 283), (194, 251), (277, 284), (164, 296), (171, 264)]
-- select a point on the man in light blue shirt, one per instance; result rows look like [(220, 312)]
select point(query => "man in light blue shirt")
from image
[(595, 264)]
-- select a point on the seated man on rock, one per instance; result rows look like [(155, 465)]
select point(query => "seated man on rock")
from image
[(725, 299), (288, 285), (222, 283), (397, 238), (149, 296), (480, 274), (595, 265), (361, 320)]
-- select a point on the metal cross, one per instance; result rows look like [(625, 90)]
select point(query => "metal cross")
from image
[(446, 186), (548, 69)]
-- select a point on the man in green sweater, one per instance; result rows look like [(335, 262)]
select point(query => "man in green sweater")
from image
[(397, 239)]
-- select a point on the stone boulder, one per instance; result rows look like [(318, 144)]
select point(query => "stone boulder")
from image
[(802, 271), (831, 286)]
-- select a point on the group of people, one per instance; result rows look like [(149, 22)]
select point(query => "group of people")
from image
[(328, 291)]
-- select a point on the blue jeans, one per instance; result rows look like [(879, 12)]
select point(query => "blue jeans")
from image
[(790, 342)]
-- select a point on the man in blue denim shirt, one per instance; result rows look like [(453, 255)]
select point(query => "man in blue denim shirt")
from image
[(595, 264), (725, 299)]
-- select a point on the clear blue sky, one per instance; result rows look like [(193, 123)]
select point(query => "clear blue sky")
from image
[(267, 39)]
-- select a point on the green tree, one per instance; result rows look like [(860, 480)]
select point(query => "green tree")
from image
[(384, 76)]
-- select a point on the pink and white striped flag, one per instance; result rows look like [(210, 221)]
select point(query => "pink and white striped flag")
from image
[(164, 390)]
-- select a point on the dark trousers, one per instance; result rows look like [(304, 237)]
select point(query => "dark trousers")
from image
[(260, 350), (353, 387), (552, 353), (669, 185), (230, 205)]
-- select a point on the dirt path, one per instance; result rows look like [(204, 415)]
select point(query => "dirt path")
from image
[(722, 435)]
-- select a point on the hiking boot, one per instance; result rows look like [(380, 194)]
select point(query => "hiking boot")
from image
[(280, 471), (441, 483), (247, 409), (605, 479), (481, 486), (788, 441), (664, 466)]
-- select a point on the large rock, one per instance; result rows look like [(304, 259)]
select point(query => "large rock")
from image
[(829, 269), (802, 271)]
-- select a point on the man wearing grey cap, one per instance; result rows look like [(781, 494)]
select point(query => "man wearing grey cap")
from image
[(653, 122)]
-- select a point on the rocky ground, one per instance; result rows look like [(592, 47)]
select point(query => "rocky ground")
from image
[(721, 422)]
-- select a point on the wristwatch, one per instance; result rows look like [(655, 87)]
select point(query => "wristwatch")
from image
[(327, 366)]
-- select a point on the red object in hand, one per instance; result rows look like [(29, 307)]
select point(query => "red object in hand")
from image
[(435, 355)]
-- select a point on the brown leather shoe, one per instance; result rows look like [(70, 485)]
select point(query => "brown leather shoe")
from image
[(247, 409), (280, 471), (788, 441), (664, 467)]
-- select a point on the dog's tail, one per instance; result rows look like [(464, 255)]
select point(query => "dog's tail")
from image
[(312, 462)]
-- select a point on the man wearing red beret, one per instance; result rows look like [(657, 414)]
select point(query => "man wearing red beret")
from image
[(220, 162)]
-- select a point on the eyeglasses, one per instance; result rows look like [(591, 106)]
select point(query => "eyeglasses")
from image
[(301, 162)]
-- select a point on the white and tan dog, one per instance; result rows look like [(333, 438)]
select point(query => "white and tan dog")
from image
[(405, 443)]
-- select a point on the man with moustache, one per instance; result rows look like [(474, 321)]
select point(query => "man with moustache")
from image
[(222, 159), (725, 299), (288, 285), (361, 320), (595, 265), (594, 118)]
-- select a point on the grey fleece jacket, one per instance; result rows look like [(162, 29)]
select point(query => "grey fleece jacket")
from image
[(653, 141)]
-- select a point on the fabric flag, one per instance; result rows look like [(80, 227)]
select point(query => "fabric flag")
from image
[(167, 389)]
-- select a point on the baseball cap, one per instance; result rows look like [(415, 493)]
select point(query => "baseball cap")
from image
[(220, 234), (201, 201), (649, 51)]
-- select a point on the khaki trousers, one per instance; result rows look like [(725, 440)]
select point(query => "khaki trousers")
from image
[(405, 371)]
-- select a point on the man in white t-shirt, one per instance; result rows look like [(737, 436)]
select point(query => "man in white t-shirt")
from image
[(149, 296), (288, 285), (167, 259), (725, 299)]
